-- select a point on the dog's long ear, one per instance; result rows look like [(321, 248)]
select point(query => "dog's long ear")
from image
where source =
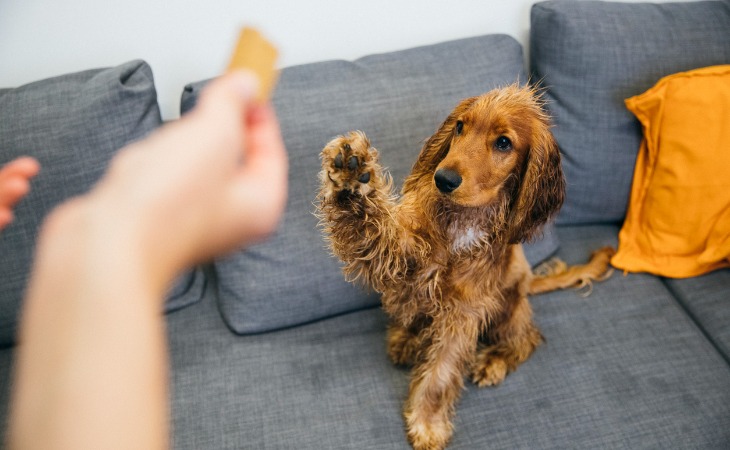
[(542, 189), (436, 148)]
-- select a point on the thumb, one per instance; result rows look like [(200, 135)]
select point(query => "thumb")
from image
[(259, 192), (229, 95)]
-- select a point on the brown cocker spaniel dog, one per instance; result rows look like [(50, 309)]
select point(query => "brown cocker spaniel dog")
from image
[(446, 255)]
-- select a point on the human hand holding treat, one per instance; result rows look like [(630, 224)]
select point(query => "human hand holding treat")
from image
[(204, 185)]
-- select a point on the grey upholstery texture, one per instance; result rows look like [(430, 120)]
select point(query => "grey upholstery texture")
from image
[(73, 125), (707, 300), (622, 368), (399, 99), (590, 56)]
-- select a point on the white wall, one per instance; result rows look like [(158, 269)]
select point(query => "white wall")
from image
[(188, 40)]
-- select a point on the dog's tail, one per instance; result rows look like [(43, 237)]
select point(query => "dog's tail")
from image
[(556, 274)]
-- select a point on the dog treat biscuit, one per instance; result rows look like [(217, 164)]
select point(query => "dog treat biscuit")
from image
[(255, 53)]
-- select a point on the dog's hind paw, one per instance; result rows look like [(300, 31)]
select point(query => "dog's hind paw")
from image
[(403, 346), (349, 164), (489, 371)]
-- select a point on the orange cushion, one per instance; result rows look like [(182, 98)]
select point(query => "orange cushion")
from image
[(678, 221)]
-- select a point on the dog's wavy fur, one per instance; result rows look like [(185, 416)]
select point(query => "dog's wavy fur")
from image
[(449, 265)]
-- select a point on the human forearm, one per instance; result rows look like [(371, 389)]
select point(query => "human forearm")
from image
[(91, 321)]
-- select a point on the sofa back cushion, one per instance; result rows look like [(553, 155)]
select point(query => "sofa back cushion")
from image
[(73, 125), (398, 99), (590, 56)]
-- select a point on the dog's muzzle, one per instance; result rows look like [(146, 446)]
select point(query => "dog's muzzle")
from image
[(447, 180)]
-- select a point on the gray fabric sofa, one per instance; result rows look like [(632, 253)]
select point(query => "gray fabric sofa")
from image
[(271, 348)]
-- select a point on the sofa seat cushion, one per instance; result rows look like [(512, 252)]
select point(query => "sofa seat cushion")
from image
[(398, 99), (73, 125), (623, 368), (590, 56), (707, 300)]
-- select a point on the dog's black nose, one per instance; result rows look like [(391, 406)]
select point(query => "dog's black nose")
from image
[(447, 180)]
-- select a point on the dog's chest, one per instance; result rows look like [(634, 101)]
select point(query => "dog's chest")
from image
[(466, 238)]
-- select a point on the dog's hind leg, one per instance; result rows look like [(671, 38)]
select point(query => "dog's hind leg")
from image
[(407, 344), (560, 276), (404, 345), (509, 344)]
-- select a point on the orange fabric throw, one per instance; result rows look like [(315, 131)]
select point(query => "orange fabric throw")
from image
[(678, 221)]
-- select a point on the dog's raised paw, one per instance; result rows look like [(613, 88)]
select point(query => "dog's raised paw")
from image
[(348, 163)]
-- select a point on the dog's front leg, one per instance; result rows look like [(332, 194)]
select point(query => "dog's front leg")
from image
[(437, 381), (359, 214)]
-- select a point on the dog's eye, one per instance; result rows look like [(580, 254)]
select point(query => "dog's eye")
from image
[(459, 127), (503, 144)]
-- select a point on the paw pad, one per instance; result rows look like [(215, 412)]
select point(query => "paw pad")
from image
[(348, 162), (352, 163)]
